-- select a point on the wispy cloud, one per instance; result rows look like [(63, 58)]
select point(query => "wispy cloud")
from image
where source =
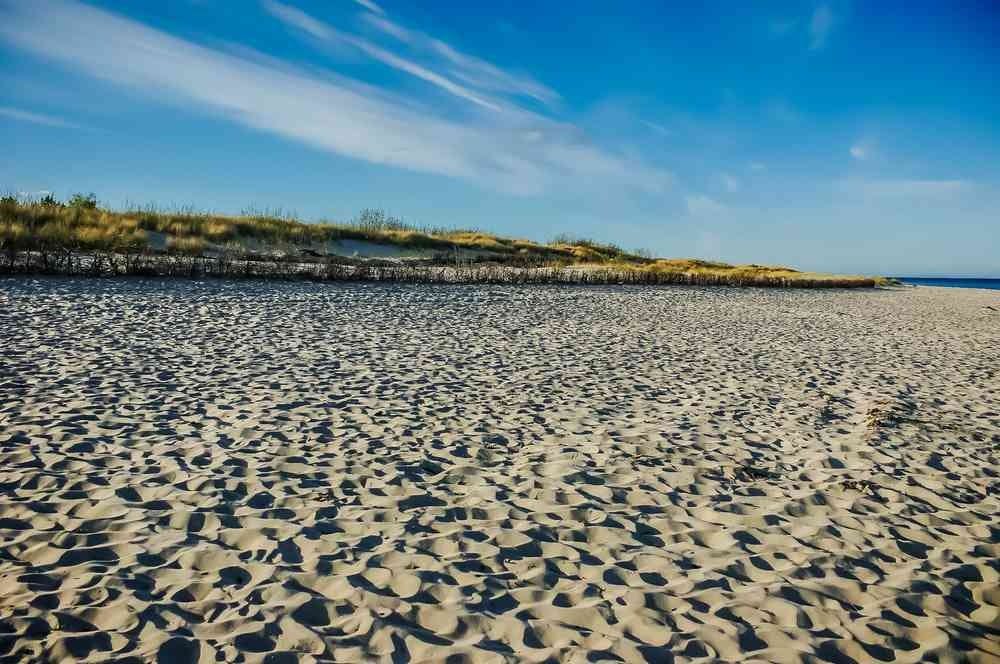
[(36, 118), (817, 26), (299, 19), (517, 152), (904, 188), (658, 128), (370, 6), (700, 205), (820, 25), (859, 151), (469, 69)]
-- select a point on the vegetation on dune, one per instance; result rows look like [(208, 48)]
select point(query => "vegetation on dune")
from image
[(43, 235), (81, 225)]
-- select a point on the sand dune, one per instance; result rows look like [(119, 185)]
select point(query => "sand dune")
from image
[(285, 472)]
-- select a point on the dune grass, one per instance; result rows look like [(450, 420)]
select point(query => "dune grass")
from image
[(80, 225)]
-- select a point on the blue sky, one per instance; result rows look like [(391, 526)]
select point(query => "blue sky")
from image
[(850, 137)]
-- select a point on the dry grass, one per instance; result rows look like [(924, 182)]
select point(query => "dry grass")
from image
[(82, 226), (188, 245), (27, 225), (707, 273)]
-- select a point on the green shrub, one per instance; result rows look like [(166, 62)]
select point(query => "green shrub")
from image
[(83, 201)]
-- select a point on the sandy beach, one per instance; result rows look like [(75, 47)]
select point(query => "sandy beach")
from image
[(297, 472)]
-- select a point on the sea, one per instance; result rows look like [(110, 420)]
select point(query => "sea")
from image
[(991, 284)]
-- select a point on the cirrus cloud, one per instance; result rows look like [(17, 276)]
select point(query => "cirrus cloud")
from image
[(36, 118), (514, 151)]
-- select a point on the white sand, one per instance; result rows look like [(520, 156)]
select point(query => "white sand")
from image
[(307, 472)]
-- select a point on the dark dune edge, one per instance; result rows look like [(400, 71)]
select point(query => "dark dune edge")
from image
[(342, 269)]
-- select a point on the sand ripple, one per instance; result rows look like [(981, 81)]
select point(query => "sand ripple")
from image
[(245, 472)]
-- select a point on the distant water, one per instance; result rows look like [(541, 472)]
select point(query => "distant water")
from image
[(992, 284)]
